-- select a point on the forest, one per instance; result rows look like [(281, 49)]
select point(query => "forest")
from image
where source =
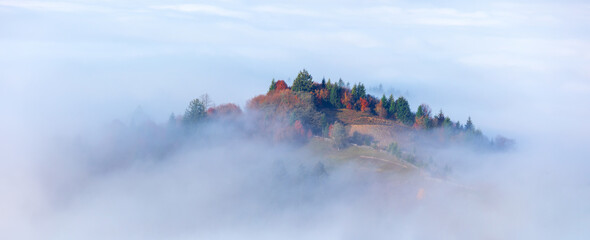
[(308, 108)]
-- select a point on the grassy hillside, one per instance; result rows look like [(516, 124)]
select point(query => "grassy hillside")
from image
[(349, 116), (365, 157)]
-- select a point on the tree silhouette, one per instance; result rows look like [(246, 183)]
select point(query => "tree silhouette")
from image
[(195, 112)]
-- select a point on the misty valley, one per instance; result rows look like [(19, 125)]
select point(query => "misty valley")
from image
[(309, 119), (303, 159)]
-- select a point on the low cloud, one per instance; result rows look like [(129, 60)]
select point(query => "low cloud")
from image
[(152, 181), (203, 9)]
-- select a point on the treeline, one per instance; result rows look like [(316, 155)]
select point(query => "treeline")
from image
[(328, 94), (299, 111)]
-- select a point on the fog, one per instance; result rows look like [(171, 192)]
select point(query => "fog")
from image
[(139, 180), (75, 163)]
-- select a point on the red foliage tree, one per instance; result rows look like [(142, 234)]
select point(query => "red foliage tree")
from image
[(281, 85), (279, 102), (299, 128), (228, 109), (321, 97), (347, 100), (364, 105)]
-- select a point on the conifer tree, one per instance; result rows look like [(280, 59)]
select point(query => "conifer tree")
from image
[(303, 82), (391, 108), (273, 85), (403, 112)]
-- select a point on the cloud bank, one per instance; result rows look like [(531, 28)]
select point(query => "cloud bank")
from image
[(69, 67)]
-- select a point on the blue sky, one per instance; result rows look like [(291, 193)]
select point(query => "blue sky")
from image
[(101, 59)]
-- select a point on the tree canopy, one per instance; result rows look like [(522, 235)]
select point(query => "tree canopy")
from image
[(403, 112), (303, 82)]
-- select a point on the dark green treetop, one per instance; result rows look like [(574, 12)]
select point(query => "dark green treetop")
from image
[(303, 82), (403, 112)]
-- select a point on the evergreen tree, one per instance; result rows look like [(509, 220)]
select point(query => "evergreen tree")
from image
[(384, 102), (440, 118), (335, 97), (419, 112), (403, 112), (458, 126), (447, 122), (358, 92), (195, 112), (422, 118), (273, 85), (469, 125), (362, 92), (303, 82), (391, 108), (354, 92), (172, 120)]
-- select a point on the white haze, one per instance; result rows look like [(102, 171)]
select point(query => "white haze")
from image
[(70, 67)]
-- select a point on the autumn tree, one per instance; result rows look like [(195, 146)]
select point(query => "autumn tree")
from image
[(303, 82), (364, 105), (298, 127), (225, 110), (287, 107), (381, 111), (357, 92), (281, 85), (347, 100), (422, 119), (321, 97)]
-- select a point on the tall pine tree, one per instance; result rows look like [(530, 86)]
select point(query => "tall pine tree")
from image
[(303, 82), (403, 112)]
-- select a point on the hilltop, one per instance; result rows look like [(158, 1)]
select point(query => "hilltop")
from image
[(350, 120)]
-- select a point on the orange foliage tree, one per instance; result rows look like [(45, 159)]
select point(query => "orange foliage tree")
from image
[(381, 111), (346, 99), (364, 105), (281, 85), (321, 97), (299, 128), (228, 109)]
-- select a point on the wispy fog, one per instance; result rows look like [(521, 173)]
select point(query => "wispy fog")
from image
[(77, 163), (140, 180)]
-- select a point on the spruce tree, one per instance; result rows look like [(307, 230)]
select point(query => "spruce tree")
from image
[(273, 85), (403, 112), (303, 82), (391, 109)]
